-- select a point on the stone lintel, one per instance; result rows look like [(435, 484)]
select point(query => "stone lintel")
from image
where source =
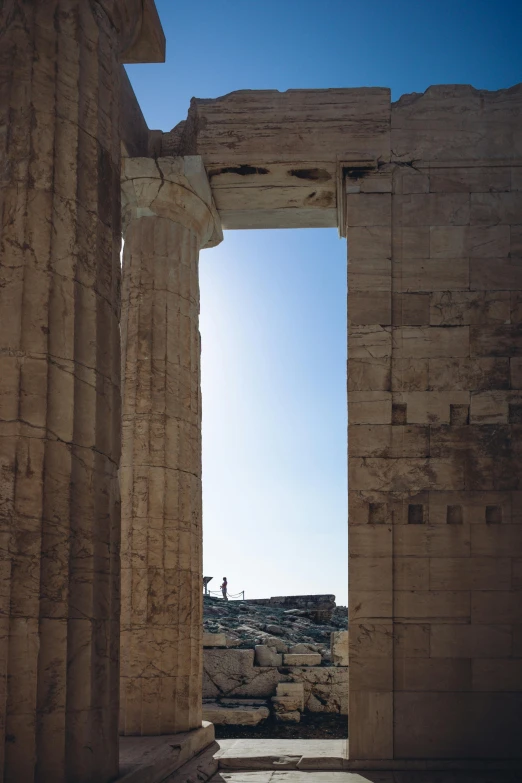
[(175, 188), (272, 157)]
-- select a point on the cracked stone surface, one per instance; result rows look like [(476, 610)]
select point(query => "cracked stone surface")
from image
[(161, 623)]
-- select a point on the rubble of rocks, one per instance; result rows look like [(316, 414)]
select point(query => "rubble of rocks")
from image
[(292, 631)]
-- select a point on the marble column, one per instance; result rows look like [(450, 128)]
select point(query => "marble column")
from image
[(60, 386), (168, 215)]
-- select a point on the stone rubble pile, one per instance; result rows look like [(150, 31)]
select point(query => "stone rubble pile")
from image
[(262, 661), (285, 631)]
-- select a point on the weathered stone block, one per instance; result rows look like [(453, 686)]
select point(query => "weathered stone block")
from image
[(453, 308), (369, 242), (235, 714), (412, 640), (369, 376), (369, 342), (496, 607), (374, 674), (371, 541), (367, 605), (415, 242), (288, 717), (371, 736), (443, 674), (430, 407), (325, 688), (303, 659), (411, 309), (372, 209), (214, 640), (430, 342), (495, 541), (469, 180), (369, 407), (370, 573), (232, 673), (376, 440), (432, 606), (434, 209), (490, 274), (474, 241), (409, 374), (339, 648), (460, 721), (293, 690), (266, 656), (371, 640), (416, 182), (432, 541), (470, 641), (288, 703), (495, 208), (400, 474), (428, 274), (369, 274), (473, 374), (369, 307), (505, 340), (411, 573), (496, 674), (473, 573), (298, 649)]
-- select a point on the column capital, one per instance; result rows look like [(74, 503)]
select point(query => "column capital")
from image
[(174, 188)]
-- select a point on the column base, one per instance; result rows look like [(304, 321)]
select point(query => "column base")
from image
[(180, 757)]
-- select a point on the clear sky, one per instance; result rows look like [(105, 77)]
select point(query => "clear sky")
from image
[(273, 320)]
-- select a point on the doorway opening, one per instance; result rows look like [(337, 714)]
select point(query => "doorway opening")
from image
[(273, 332)]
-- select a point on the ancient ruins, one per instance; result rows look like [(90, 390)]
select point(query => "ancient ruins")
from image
[(428, 192), (269, 661)]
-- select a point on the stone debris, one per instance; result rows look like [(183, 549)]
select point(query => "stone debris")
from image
[(239, 712), (293, 690), (309, 659), (265, 656), (339, 648), (287, 630)]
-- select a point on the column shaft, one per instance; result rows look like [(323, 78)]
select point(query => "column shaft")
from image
[(161, 480), (59, 391), (169, 215)]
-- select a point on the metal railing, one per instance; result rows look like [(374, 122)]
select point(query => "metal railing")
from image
[(237, 596)]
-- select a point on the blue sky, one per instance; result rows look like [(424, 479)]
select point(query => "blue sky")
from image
[(273, 320)]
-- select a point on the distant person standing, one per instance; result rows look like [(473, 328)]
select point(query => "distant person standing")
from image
[(224, 588)]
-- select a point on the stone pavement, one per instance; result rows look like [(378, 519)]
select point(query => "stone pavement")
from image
[(325, 761), (259, 754)]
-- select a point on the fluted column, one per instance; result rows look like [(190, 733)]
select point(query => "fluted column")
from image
[(60, 386), (168, 216)]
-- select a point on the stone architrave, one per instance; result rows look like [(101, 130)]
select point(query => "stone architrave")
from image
[(60, 67), (168, 215)]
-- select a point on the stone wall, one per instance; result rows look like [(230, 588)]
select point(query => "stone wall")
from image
[(435, 407), (232, 673), (319, 606)]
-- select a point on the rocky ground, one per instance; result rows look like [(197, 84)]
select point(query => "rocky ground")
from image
[(313, 725), (246, 625)]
